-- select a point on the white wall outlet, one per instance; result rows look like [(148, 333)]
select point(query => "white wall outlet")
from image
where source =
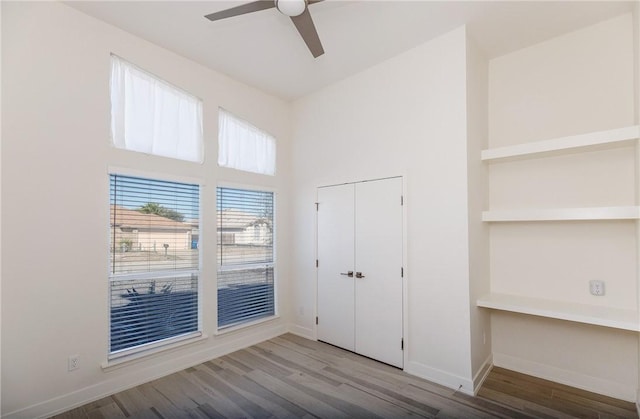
[(73, 363), (596, 287)]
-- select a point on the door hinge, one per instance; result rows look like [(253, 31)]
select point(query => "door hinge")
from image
[(401, 199), (401, 272), (317, 206), (316, 263), (316, 319), (401, 343)]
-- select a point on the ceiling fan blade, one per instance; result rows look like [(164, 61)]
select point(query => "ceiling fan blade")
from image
[(307, 30), (313, 1), (254, 6)]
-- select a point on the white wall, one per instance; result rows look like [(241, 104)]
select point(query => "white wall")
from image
[(0, 218), (55, 157), (576, 83), (405, 116), (636, 72), (478, 193)]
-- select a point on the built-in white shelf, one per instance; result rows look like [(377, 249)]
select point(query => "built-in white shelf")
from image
[(583, 142), (582, 313), (563, 214)]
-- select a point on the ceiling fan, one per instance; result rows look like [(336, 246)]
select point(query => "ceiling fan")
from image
[(297, 10)]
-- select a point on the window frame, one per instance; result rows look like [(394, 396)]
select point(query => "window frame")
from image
[(276, 312), (135, 352)]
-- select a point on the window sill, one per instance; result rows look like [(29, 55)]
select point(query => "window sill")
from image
[(241, 326), (142, 355)]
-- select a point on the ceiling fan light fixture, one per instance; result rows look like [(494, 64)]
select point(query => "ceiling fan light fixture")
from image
[(291, 8)]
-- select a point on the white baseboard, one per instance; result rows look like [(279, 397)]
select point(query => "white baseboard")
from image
[(570, 378), (304, 332), (122, 382), (455, 382), (482, 374)]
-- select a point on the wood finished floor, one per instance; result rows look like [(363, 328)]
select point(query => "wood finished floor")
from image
[(292, 377)]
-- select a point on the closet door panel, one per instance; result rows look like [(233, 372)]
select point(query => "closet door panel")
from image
[(336, 315), (378, 256)]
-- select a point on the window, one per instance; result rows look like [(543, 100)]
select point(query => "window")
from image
[(244, 147), (151, 116), (154, 262), (245, 256)]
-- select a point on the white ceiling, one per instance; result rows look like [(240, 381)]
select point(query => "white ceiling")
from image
[(263, 49)]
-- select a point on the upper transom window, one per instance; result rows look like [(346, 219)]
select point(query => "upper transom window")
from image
[(242, 146), (151, 116)]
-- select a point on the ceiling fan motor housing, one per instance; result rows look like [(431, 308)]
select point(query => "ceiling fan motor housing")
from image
[(291, 8)]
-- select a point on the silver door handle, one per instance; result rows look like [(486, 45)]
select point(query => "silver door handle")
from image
[(359, 275), (349, 274)]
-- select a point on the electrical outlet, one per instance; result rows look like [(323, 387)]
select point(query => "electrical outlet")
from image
[(596, 287), (73, 363)]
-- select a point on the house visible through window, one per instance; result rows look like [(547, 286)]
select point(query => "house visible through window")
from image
[(151, 116), (245, 255), (154, 262), (242, 146)]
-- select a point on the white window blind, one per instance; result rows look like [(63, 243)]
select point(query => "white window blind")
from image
[(154, 261), (245, 256), (151, 116), (244, 147)]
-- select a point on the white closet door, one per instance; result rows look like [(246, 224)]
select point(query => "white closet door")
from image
[(378, 256), (336, 317)]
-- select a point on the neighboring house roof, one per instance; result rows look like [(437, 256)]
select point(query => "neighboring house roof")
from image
[(126, 218), (233, 219)]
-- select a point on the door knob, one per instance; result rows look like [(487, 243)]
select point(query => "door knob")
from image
[(349, 274), (359, 275)]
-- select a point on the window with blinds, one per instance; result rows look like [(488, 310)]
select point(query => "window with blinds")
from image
[(245, 255), (154, 262)]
